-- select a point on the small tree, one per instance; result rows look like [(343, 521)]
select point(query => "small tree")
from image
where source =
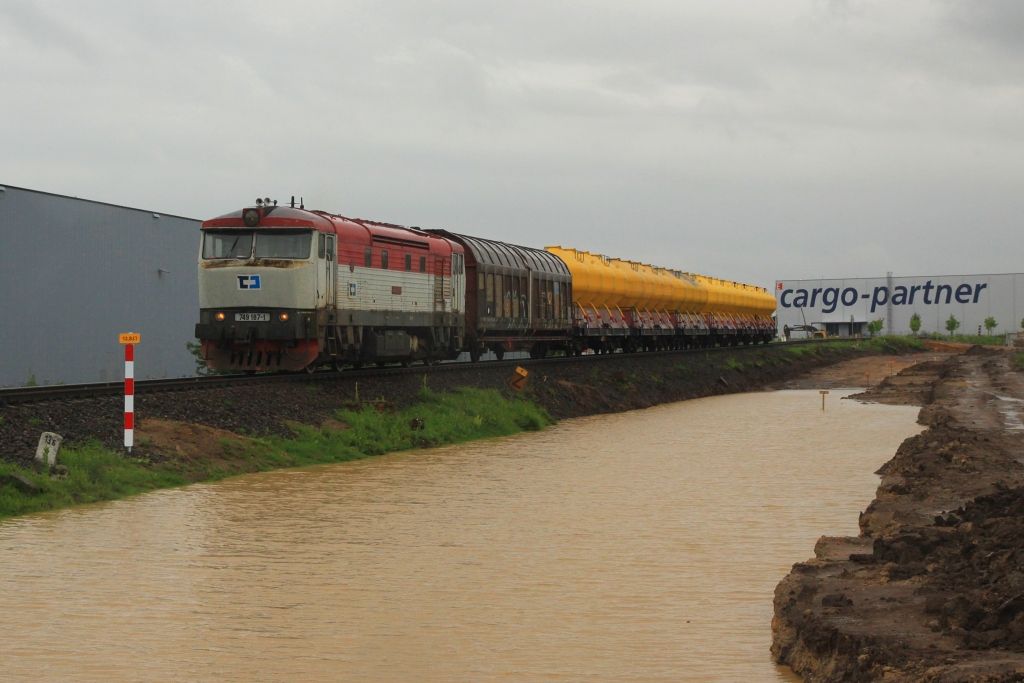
[(875, 326), (196, 349), (952, 324), (915, 324), (990, 324)]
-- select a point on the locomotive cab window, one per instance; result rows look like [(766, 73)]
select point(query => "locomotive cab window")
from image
[(384, 259), (423, 264), (227, 244), (291, 244), (408, 262)]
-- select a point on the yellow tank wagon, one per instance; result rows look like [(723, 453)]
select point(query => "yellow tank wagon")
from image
[(735, 309), (632, 305)]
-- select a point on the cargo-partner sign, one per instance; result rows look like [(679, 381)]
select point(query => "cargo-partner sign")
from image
[(927, 294), (842, 306)]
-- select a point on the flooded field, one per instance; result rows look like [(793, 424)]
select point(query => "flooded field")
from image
[(642, 546)]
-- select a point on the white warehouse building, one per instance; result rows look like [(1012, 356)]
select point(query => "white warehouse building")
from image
[(845, 307)]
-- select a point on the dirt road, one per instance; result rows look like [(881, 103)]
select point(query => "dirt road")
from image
[(867, 371)]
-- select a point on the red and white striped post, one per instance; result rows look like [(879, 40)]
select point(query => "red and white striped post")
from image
[(129, 340)]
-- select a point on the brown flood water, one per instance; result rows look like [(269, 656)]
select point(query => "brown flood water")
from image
[(643, 546)]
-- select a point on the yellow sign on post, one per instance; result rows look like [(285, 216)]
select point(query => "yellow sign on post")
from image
[(129, 337), (517, 381)]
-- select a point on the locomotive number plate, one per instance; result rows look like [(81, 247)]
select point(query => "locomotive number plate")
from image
[(252, 317)]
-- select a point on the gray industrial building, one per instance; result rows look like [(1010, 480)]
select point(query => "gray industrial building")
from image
[(75, 273), (845, 307)]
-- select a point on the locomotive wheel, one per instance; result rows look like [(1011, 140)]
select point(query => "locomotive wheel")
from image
[(499, 352), (311, 368), (339, 366), (474, 354)]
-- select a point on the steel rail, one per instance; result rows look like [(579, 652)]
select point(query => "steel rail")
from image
[(38, 394)]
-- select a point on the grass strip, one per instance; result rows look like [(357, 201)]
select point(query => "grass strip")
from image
[(96, 473)]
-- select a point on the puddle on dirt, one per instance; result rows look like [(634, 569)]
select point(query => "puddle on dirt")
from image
[(1010, 408)]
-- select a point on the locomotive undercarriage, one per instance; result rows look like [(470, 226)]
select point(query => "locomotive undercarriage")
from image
[(608, 339), (244, 340), (618, 340), (360, 337), (500, 342), (358, 345)]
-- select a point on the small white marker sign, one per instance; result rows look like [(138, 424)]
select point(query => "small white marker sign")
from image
[(49, 446)]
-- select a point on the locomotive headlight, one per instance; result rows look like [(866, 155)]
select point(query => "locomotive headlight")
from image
[(219, 316), (251, 217), (283, 316)]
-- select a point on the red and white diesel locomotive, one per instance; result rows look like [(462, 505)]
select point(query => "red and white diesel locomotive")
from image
[(286, 288)]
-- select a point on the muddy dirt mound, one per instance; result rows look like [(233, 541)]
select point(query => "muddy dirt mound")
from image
[(184, 442), (933, 588), (976, 587), (912, 386), (868, 371)]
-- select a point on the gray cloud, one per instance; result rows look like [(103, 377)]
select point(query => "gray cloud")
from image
[(994, 24), (753, 141)]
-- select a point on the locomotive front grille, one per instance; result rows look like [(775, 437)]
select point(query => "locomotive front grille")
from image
[(249, 325)]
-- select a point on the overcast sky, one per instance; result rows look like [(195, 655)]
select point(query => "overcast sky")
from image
[(750, 140)]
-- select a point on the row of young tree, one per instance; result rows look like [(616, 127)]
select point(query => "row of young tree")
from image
[(952, 324)]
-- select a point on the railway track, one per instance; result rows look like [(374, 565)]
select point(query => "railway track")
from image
[(21, 395)]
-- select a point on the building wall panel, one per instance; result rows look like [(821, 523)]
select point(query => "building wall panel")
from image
[(75, 273)]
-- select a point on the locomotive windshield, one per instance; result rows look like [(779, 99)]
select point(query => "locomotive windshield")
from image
[(238, 244), (234, 244), (290, 244)]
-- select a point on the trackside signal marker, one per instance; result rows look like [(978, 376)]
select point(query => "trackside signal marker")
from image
[(129, 340)]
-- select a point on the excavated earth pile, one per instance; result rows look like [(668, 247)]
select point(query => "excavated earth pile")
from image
[(933, 587)]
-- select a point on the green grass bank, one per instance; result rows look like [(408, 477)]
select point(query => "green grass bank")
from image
[(96, 473)]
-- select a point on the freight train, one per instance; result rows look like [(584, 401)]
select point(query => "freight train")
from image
[(290, 289)]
